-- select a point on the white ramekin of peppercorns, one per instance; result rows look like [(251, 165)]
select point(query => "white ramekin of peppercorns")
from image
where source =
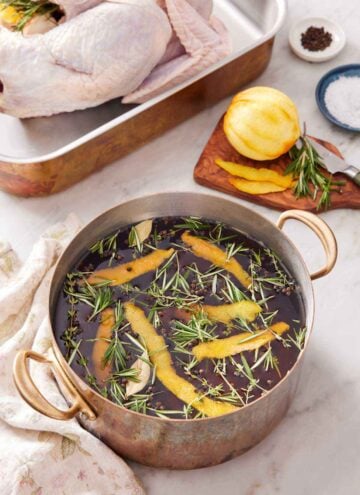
[(316, 39)]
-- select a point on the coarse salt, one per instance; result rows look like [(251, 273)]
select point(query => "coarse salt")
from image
[(342, 99)]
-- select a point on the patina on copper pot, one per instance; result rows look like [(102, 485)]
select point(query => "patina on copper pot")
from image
[(178, 444)]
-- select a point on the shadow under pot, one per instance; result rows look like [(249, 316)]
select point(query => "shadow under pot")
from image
[(179, 341)]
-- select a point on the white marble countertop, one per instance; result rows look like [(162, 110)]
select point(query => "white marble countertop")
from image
[(315, 450)]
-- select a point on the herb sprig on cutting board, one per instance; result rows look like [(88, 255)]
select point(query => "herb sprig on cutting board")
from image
[(308, 167)]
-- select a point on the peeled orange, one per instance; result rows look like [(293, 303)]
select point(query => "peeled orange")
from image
[(262, 123)]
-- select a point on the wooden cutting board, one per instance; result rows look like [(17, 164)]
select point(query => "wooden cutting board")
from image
[(208, 174)]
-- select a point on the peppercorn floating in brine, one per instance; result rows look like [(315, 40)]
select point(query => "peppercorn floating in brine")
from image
[(180, 318)]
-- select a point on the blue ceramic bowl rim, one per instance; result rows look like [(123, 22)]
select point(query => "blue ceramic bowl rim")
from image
[(321, 87)]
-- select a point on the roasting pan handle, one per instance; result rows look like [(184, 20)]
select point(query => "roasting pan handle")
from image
[(31, 394), (322, 230)]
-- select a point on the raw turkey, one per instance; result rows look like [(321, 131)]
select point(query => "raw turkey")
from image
[(102, 50), (175, 48), (203, 41)]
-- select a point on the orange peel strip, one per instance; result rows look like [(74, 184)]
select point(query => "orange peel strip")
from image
[(225, 313), (256, 174), (126, 272), (256, 188), (247, 341), (101, 344), (210, 252), (165, 371)]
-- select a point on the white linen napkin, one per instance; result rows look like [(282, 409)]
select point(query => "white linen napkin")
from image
[(39, 455)]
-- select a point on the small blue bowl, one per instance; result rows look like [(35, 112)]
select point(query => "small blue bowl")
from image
[(351, 70)]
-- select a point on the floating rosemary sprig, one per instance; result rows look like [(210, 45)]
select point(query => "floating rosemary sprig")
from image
[(193, 223), (308, 167), (197, 329), (299, 338), (196, 224), (106, 246), (97, 296), (116, 353), (134, 240)]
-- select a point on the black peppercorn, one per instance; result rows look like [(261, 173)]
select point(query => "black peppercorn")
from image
[(316, 39)]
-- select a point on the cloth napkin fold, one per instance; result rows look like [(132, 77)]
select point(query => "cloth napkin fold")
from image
[(39, 455)]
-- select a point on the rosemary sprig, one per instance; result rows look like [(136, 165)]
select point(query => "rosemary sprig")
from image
[(220, 369), (29, 9), (138, 403), (232, 249), (103, 245), (97, 296), (216, 234), (117, 392), (115, 353), (264, 283), (106, 246), (193, 223), (232, 293), (272, 361), (131, 374), (134, 240), (102, 299), (198, 329), (73, 330), (308, 167), (299, 338)]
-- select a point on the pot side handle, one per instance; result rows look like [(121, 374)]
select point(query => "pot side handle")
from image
[(31, 394), (322, 230)]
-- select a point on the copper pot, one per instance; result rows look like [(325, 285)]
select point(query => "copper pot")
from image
[(179, 444)]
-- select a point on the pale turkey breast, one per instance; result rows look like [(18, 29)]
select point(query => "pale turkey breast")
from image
[(102, 53), (100, 50)]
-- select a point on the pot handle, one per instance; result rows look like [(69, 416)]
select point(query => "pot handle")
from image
[(322, 230), (31, 394)]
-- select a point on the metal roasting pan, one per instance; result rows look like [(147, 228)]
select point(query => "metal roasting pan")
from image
[(41, 156)]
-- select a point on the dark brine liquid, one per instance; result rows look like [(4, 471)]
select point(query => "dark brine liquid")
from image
[(238, 379)]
